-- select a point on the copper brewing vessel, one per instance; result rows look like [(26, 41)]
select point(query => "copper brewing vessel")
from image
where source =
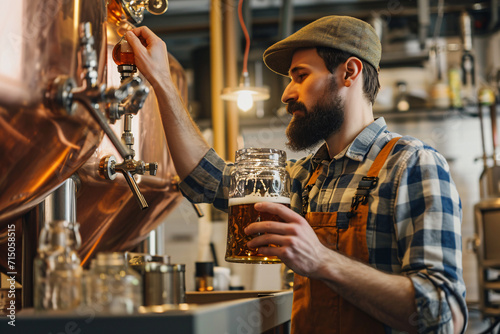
[(41, 147)]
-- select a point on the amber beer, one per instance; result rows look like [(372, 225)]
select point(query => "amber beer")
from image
[(241, 214)]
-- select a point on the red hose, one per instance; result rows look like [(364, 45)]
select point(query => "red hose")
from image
[(247, 37)]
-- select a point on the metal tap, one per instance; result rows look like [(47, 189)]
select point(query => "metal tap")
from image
[(128, 108), (135, 96), (108, 169), (134, 9), (126, 100)]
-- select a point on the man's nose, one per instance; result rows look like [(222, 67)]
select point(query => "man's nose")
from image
[(290, 93)]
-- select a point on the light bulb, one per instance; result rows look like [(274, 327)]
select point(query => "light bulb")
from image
[(245, 100)]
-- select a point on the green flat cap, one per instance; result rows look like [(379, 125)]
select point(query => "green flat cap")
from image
[(340, 32)]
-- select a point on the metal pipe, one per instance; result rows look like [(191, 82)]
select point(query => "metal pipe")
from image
[(483, 140), (61, 203), (216, 78), (493, 116), (493, 14), (286, 19), (102, 121), (466, 31), (424, 21), (285, 28), (231, 76)]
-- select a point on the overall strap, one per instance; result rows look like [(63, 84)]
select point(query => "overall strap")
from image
[(308, 187), (370, 181), (314, 176)]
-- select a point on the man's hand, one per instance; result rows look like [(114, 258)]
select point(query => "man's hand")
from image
[(151, 55), (300, 248)]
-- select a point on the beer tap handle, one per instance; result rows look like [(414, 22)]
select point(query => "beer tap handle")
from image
[(198, 210), (135, 189), (175, 186)]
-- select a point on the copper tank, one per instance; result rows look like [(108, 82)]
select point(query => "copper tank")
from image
[(41, 147)]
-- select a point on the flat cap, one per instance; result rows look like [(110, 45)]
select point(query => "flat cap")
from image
[(340, 32)]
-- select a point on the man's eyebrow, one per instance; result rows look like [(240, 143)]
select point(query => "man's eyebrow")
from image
[(295, 69)]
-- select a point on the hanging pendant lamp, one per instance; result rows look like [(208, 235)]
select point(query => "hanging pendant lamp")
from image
[(245, 95)]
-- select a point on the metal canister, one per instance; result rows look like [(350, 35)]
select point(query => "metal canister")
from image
[(158, 284), (179, 283), (164, 284)]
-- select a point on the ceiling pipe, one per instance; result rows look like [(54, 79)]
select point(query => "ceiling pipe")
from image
[(285, 28), (424, 21), (493, 14), (216, 78), (286, 19), (231, 75)]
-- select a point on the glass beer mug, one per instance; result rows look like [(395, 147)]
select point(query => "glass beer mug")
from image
[(259, 176)]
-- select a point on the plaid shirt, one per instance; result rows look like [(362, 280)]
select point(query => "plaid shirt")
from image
[(414, 222)]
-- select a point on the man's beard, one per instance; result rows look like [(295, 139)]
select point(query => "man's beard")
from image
[(319, 123)]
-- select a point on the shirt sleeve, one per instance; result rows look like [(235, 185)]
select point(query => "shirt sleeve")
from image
[(428, 215), (208, 182)]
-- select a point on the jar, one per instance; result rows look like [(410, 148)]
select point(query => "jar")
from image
[(57, 271), (259, 175), (116, 288)]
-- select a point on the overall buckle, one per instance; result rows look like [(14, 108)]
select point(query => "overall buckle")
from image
[(366, 184)]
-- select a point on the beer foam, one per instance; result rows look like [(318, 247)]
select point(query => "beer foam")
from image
[(252, 199)]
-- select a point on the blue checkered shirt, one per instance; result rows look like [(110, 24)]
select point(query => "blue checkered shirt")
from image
[(414, 222)]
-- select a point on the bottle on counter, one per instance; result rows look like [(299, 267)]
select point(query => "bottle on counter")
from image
[(116, 288), (455, 83), (57, 271), (204, 276)]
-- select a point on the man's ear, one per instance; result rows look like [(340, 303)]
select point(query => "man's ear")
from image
[(353, 67)]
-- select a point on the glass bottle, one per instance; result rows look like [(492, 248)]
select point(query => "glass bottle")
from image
[(116, 288), (57, 271), (123, 56), (204, 276), (259, 175), (123, 53)]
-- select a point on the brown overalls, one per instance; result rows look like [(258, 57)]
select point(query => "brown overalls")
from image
[(316, 307)]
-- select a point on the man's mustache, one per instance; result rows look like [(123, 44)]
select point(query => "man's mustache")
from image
[(296, 106)]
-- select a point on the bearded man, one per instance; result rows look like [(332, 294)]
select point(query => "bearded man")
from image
[(373, 234)]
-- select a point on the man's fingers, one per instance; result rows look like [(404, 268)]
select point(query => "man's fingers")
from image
[(134, 41), (267, 239), (146, 34), (281, 210), (267, 227)]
